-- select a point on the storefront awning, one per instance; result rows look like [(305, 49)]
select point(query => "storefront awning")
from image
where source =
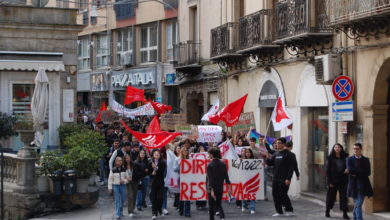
[(31, 65)]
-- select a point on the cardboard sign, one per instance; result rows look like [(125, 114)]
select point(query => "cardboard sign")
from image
[(186, 130), (168, 121), (246, 121), (209, 133), (246, 177)]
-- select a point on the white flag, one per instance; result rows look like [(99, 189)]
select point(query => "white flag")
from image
[(280, 117), (228, 151), (213, 110)]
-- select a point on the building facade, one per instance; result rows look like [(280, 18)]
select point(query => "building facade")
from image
[(265, 48), (126, 44), (29, 41)]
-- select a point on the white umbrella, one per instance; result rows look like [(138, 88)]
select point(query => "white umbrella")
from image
[(39, 102)]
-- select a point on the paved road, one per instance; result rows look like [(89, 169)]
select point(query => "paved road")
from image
[(104, 209)]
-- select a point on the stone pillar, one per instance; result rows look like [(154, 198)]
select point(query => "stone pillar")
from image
[(26, 171), (375, 148)]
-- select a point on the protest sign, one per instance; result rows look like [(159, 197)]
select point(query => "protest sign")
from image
[(185, 130), (246, 177), (172, 177), (209, 133), (168, 121), (246, 121)]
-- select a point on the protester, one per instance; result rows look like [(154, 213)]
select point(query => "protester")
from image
[(248, 154), (283, 162), (215, 178), (131, 186), (125, 149), (359, 186), (289, 146), (140, 175), (337, 180), (156, 170), (184, 206), (117, 182)]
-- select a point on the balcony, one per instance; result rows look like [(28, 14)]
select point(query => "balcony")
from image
[(224, 43), (302, 26), (256, 36), (363, 18), (187, 57)]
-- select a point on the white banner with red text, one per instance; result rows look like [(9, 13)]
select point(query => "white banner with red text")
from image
[(246, 177)]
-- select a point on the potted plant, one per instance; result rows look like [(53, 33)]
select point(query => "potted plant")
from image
[(51, 165), (85, 148), (68, 129), (7, 126)]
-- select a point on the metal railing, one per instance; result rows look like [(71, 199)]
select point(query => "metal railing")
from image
[(341, 11), (295, 17), (186, 53), (224, 39), (256, 29)]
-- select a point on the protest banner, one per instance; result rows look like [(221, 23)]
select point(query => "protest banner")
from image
[(199, 156), (246, 121), (168, 121), (209, 133), (246, 177), (131, 113)]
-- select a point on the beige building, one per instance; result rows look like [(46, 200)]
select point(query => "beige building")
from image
[(126, 44), (29, 41), (269, 47)]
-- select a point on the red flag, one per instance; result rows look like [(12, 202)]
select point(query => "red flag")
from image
[(154, 126), (152, 140), (160, 108), (103, 107), (230, 114), (134, 94), (280, 117)]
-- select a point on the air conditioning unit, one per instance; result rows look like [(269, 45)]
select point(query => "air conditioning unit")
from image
[(327, 67), (126, 59)]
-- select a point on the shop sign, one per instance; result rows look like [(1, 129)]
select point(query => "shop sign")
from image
[(68, 105), (268, 95), (98, 82), (170, 78), (136, 77)]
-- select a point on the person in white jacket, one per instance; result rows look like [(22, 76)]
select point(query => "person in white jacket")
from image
[(117, 181)]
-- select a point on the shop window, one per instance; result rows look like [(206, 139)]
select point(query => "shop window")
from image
[(149, 44), (21, 99), (83, 53), (171, 40), (125, 47), (318, 147), (102, 51)]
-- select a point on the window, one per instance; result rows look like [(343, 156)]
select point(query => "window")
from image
[(83, 53), (125, 10), (171, 40), (125, 47), (149, 44), (83, 5), (21, 99), (62, 4), (102, 51)]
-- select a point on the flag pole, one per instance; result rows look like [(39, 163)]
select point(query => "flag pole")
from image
[(266, 131)]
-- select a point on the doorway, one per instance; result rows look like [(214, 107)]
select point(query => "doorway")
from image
[(195, 110)]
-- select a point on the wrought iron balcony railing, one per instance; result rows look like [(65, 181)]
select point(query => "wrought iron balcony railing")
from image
[(345, 11), (300, 18), (256, 30), (186, 53), (224, 40)]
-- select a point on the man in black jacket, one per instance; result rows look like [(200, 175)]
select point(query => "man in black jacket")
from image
[(216, 176), (283, 162)]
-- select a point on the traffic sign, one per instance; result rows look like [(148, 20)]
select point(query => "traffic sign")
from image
[(342, 111), (342, 88)]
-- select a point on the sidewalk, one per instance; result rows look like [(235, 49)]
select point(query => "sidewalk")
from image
[(103, 209)]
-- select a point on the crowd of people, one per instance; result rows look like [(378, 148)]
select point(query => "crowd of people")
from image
[(136, 174)]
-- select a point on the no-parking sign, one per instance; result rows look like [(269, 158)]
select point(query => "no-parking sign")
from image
[(342, 88)]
